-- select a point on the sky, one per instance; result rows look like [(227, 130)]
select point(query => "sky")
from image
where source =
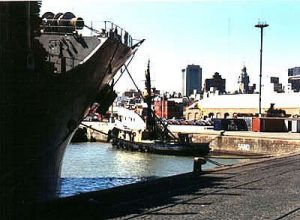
[(218, 35)]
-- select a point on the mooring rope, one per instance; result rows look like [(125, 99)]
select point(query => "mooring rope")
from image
[(94, 129), (217, 136), (215, 162)]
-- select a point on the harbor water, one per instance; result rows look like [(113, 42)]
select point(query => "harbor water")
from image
[(94, 166)]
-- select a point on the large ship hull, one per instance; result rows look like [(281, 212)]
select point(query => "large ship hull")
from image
[(41, 109)]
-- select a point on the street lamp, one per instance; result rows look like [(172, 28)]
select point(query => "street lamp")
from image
[(261, 26)]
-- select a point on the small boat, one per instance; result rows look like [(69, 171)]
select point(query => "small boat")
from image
[(160, 147), (156, 137)]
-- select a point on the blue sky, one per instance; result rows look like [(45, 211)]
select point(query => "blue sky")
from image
[(218, 35)]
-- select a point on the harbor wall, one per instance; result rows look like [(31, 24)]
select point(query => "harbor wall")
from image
[(251, 143)]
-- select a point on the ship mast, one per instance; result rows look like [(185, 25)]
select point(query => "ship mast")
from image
[(150, 120)]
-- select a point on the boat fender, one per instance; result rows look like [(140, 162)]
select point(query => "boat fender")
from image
[(146, 149), (109, 136)]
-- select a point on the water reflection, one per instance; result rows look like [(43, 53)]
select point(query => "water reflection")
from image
[(94, 166), (88, 160)]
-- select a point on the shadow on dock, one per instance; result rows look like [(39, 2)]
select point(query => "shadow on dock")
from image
[(129, 199)]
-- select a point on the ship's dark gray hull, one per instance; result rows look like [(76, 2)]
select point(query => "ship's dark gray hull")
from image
[(40, 110)]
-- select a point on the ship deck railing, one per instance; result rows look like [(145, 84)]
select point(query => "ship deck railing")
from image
[(108, 30)]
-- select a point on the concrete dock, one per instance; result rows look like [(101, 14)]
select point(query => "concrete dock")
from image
[(248, 142), (267, 189)]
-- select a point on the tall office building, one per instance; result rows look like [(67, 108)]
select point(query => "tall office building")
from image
[(215, 83), (294, 78), (294, 71), (277, 86), (192, 79)]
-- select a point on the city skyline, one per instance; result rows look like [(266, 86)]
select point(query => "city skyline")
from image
[(217, 35)]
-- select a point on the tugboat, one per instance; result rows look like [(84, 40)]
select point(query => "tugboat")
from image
[(51, 73), (156, 138)]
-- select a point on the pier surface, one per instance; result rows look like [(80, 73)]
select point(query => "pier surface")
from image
[(264, 190)]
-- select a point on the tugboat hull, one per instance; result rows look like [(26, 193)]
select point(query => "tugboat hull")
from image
[(178, 149)]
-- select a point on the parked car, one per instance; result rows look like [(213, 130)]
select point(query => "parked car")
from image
[(190, 122), (200, 123)]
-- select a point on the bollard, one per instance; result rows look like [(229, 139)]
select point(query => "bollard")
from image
[(198, 161)]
